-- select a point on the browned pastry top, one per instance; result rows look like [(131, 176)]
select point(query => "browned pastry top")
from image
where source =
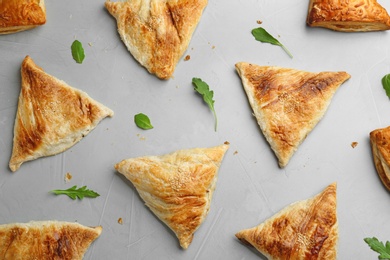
[(348, 15), (18, 15), (52, 240), (380, 145)]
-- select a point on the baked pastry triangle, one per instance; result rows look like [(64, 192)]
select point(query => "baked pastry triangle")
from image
[(51, 116), (380, 147), (20, 15), (157, 32), (177, 187), (287, 103), (348, 15), (303, 230), (46, 240)]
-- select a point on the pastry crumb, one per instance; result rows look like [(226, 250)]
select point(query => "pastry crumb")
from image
[(259, 22), (90, 44), (213, 47), (188, 57), (226, 142), (354, 144), (142, 138), (120, 221), (68, 177), (235, 152)]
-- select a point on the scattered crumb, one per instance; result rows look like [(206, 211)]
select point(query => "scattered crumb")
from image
[(259, 22), (235, 152), (142, 138), (226, 142), (68, 177), (120, 221), (177, 86), (213, 47), (354, 144), (90, 44), (188, 57)]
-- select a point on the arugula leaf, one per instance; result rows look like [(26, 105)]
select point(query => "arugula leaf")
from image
[(142, 121), (77, 51), (386, 84), (79, 193), (379, 247), (202, 88), (262, 35)]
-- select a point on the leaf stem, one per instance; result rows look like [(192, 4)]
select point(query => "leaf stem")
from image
[(288, 52)]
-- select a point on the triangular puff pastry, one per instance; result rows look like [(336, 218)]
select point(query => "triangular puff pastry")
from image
[(157, 32), (287, 103), (46, 240), (177, 187), (303, 230), (20, 15), (348, 15), (380, 146), (51, 116)]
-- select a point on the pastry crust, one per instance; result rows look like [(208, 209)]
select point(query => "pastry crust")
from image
[(303, 230), (51, 116), (157, 32), (20, 15), (380, 147), (177, 187), (288, 103), (52, 240), (348, 15)]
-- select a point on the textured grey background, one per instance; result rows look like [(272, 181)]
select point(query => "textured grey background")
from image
[(250, 186)]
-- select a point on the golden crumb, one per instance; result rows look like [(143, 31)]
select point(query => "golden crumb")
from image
[(142, 138), (226, 142), (235, 152), (354, 144), (259, 22), (188, 57), (90, 44), (120, 221), (68, 177), (213, 47)]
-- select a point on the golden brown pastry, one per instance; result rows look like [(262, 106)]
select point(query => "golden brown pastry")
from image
[(380, 146), (20, 15), (177, 187), (348, 15), (303, 230), (51, 116), (46, 240), (157, 32), (287, 103)]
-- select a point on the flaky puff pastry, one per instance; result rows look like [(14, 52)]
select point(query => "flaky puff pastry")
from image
[(177, 187), (51, 116), (20, 15), (288, 103), (348, 15), (157, 32), (303, 230), (46, 240), (380, 147)]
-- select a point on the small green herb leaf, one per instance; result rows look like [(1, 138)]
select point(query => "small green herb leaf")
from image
[(202, 88), (77, 51), (79, 193), (142, 121), (379, 247), (386, 84), (262, 35)]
